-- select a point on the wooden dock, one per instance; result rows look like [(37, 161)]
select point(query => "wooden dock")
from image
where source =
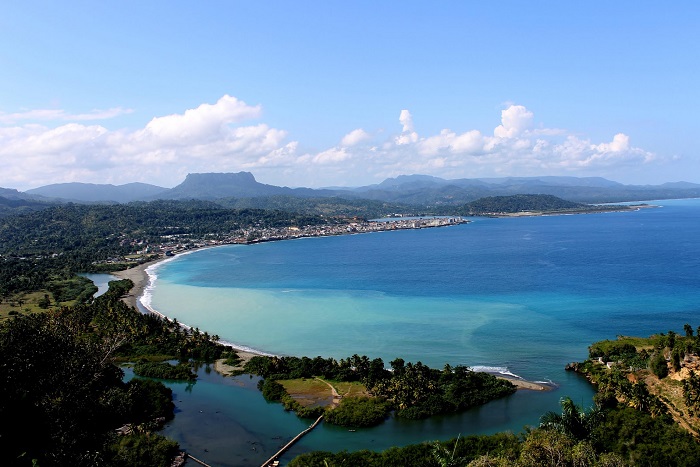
[(291, 443)]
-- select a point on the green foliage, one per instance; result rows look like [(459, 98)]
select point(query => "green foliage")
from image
[(37, 247), (642, 440), (272, 390), (415, 390), (164, 370), (77, 288), (231, 358), (358, 412), (691, 393), (573, 421), (59, 376), (465, 449), (658, 365), (612, 351), (519, 203), (142, 450), (149, 400)]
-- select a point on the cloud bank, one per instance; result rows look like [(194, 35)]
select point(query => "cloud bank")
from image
[(226, 136)]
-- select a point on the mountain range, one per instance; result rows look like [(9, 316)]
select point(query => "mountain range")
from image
[(413, 190)]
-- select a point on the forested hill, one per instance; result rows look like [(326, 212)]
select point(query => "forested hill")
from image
[(525, 203), (520, 203), (69, 238)]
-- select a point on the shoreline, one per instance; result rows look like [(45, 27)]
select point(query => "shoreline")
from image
[(140, 278)]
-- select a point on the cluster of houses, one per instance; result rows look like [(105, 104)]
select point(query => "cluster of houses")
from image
[(174, 244)]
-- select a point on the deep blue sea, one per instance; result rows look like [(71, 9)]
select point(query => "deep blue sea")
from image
[(516, 295)]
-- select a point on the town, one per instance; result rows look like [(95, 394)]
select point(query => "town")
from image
[(179, 243)]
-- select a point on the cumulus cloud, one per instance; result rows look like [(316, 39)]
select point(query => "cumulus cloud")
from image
[(220, 137), (514, 120), (355, 137), (204, 122), (407, 136)]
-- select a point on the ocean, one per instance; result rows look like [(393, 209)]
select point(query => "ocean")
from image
[(521, 296)]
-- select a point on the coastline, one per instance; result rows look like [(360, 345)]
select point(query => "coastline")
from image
[(140, 278)]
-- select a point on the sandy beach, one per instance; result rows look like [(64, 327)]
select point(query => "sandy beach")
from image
[(139, 277), (522, 384)]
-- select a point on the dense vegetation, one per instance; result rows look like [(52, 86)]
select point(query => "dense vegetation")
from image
[(359, 412), (612, 437), (414, 390), (164, 370), (62, 397), (57, 242), (524, 203)]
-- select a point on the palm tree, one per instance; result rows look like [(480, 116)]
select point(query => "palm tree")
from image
[(445, 458), (573, 421)]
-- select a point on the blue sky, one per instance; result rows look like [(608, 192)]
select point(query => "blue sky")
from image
[(347, 93)]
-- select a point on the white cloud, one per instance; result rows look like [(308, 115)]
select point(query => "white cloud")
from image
[(332, 155), (514, 120), (61, 115), (219, 137), (620, 143), (407, 136), (355, 137), (205, 122)]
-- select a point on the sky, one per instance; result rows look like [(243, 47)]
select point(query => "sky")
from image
[(330, 93)]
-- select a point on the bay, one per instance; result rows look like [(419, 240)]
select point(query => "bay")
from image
[(517, 295)]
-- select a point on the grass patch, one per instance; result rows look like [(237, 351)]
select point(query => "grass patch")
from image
[(350, 389), (640, 343), (308, 391), (25, 303)]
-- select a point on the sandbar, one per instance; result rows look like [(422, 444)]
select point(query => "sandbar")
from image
[(522, 384)]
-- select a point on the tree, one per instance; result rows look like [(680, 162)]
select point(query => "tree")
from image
[(573, 421), (688, 330), (445, 458), (658, 365)]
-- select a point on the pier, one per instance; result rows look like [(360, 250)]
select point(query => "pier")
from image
[(291, 443)]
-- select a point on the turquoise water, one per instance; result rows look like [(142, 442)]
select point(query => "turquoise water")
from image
[(522, 295)]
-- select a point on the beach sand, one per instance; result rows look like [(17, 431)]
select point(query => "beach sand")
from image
[(225, 370), (522, 384), (139, 277)]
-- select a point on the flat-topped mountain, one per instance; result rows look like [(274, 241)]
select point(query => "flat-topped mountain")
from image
[(230, 185)]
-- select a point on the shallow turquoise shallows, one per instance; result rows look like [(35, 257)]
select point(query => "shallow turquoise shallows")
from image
[(517, 295)]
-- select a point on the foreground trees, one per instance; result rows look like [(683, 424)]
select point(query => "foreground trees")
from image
[(61, 397)]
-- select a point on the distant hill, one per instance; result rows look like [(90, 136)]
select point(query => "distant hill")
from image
[(91, 192), (422, 192), (520, 203), (16, 205)]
